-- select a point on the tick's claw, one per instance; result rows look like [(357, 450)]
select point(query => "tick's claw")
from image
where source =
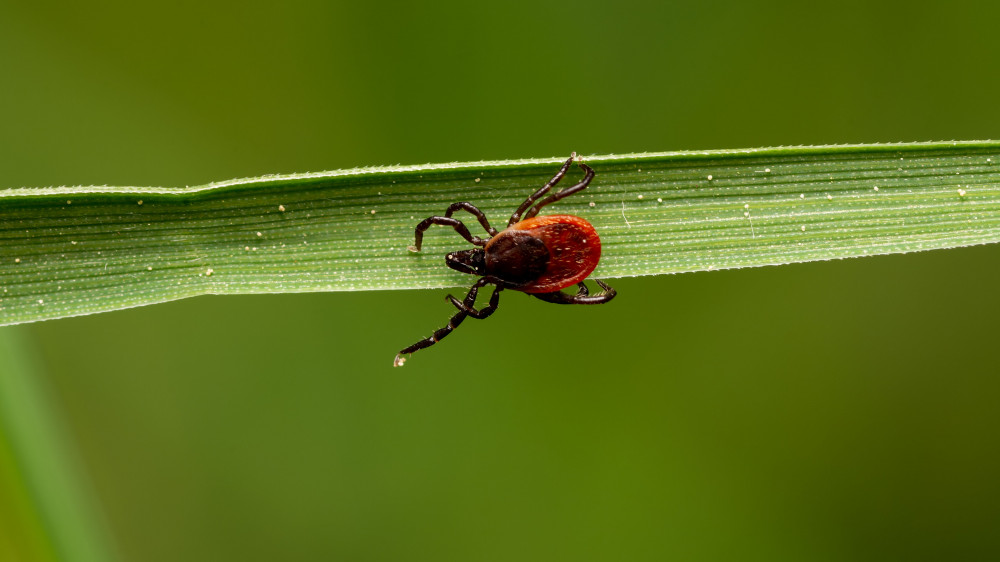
[(399, 360)]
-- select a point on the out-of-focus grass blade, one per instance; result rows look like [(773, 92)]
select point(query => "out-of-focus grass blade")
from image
[(47, 509), (76, 250)]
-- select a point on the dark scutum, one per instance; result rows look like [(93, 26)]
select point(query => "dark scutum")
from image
[(516, 257)]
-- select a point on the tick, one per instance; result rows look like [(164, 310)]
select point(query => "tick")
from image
[(539, 256)]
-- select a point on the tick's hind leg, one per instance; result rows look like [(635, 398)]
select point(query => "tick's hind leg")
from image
[(582, 295), (516, 217), (565, 192)]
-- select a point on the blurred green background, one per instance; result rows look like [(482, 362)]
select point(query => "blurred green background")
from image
[(827, 411)]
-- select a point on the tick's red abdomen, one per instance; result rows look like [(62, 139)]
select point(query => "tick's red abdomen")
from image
[(573, 251)]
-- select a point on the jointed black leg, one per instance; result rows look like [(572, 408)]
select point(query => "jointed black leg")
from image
[(468, 305), (443, 221), (475, 211), (427, 342), (465, 308), (516, 217), (565, 192), (581, 297), (446, 220)]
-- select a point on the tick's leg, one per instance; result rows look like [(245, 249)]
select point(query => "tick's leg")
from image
[(516, 217), (427, 342), (440, 334), (565, 192), (581, 297), (475, 211), (443, 221), (468, 305)]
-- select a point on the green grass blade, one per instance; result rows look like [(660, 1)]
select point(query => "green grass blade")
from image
[(48, 511), (76, 250)]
